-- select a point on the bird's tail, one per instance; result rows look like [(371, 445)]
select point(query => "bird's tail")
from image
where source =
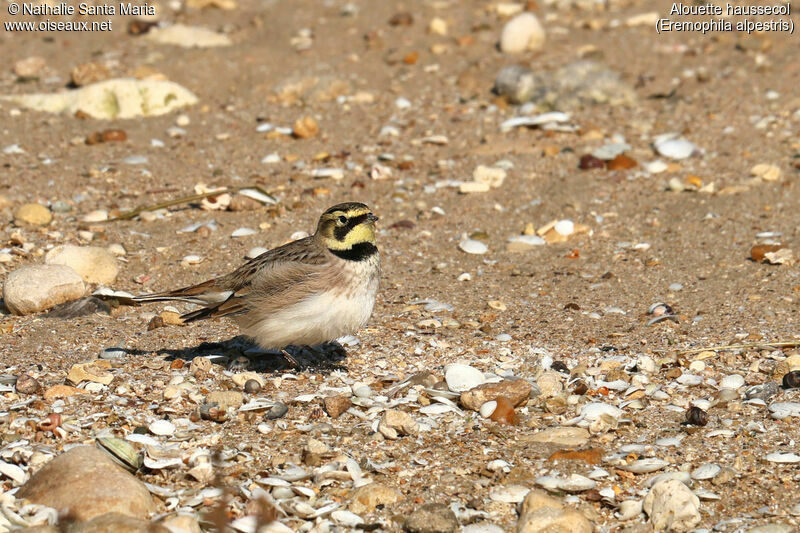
[(206, 293)]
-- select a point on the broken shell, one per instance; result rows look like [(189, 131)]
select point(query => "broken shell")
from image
[(121, 452)]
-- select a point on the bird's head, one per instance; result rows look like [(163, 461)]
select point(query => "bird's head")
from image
[(348, 230)]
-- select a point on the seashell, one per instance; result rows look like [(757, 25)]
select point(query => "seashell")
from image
[(696, 416), (782, 458), (733, 381), (509, 494), (576, 483), (122, 452), (781, 410), (162, 427), (471, 246), (593, 411), (13, 472), (644, 466), (706, 471), (243, 232), (461, 377), (487, 409), (707, 495), (689, 380), (674, 147), (346, 519), (629, 509), (683, 477), (259, 196)]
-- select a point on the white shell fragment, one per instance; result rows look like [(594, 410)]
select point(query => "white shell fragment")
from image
[(706, 471), (471, 246), (734, 381), (672, 146), (162, 428), (644, 466), (782, 458), (461, 377)]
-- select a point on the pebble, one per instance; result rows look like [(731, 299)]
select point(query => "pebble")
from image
[(471, 246), (336, 405), (461, 377), (35, 214), (305, 128), (550, 384), (671, 506), (226, 399), (523, 243), (35, 288), (187, 36), (88, 73), (366, 498), (733, 381), (94, 371), (674, 147), (277, 411), (86, 483), (706, 471), (522, 33), (99, 215), (487, 409), (431, 518), (766, 172), (492, 176), (162, 428), (29, 67), (395, 423), (542, 513), (517, 391), (26, 384), (92, 263)]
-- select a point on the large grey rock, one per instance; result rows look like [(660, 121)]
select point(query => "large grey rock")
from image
[(541, 513), (672, 506), (35, 288), (85, 483), (94, 264)]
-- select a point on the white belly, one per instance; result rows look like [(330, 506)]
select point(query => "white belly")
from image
[(316, 319)]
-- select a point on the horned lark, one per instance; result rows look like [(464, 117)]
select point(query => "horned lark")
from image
[(306, 292)]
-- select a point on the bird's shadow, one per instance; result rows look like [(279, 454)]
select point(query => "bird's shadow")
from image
[(240, 353)]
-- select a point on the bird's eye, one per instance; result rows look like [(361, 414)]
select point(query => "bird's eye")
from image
[(342, 220)]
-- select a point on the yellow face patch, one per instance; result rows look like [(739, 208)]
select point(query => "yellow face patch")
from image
[(344, 228)]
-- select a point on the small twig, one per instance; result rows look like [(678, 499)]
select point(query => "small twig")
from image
[(785, 344), (184, 200)]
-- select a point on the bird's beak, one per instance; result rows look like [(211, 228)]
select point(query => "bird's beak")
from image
[(372, 218)]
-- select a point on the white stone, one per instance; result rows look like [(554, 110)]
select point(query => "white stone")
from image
[(674, 147), (734, 381), (468, 187), (593, 411), (38, 287), (706, 471), (487, 409), (564, 227), (119, 98), (161, 427), (644, 466), (188, 36), (93, 264), (243, 232), (461, 377), (492, 176), (523, 32), (672, 506), (346, 518), (471, 246), (630, 509), (782, 458), (509, 494), (576, 483)]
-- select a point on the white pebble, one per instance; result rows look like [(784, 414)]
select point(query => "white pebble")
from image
[(162, 427), (255, 252), (461, 377), (674, 147), (487, 409), (523, 32), (271, 159), (733, 381), (706, 471), (471, 246), (243, 232), (564, 227)]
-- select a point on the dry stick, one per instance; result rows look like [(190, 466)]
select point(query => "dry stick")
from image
[(739, 346), (186, 199)]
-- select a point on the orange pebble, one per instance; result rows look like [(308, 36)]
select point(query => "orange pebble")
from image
[(504, 412)]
